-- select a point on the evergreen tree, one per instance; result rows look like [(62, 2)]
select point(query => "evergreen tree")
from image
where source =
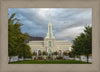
[(82, 45)]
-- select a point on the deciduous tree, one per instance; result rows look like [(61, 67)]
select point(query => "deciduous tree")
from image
[(16, 39)]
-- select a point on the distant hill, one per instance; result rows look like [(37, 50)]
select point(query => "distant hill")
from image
[(35, 38), (31, 38)]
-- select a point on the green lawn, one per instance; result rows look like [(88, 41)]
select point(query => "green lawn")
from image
[(49, 62)]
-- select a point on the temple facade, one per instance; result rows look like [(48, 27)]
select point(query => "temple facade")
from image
[(49, 44)]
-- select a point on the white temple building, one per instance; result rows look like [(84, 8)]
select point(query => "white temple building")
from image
[(50, 44)]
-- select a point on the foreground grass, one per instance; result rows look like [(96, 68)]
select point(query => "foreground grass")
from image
[(50, 62)]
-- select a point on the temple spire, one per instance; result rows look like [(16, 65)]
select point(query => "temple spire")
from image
[(50, 33), (49, 16)]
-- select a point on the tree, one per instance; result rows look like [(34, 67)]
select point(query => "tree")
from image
[(82, 45), (77, 46), (88, 42), (24, 50), (12, 36), (16, 39), (27, 51), (72, 53)]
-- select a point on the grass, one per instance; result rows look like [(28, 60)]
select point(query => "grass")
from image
[(50, 62)]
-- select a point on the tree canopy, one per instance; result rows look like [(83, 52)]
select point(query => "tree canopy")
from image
[(16, 39), (82, 45)]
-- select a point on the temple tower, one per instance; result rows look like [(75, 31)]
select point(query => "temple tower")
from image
[(50, 33), (49, 41)]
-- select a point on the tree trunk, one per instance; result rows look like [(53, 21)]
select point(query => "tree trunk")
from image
[(87, 59)]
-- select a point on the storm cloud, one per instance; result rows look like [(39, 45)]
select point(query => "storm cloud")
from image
[(67, 23)]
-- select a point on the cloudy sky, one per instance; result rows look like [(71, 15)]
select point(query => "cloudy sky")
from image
[(67, 23)]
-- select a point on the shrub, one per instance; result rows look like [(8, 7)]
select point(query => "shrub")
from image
[(35, 58), (59, 58), (55, 53), (40, 58), (44, 53), (65, 53), (34, 53), (49, 57)]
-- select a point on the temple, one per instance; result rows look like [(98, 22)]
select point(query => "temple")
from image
[(50, 44)]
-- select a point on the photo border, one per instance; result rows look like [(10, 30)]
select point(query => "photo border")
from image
[(5, 4)]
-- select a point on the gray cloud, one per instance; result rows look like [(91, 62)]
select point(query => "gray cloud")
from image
[(67, 22)]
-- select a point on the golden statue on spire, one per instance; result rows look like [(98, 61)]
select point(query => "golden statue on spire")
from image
[(49, 16), (49, 13)]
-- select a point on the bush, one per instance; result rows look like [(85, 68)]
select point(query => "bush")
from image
[(59, 58), (34, 53), (49, 57), (55, 53), (44, 53), (35, 58), (40, 58)]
